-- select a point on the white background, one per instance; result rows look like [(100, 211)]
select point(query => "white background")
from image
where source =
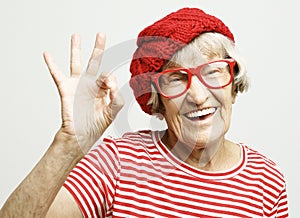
[(267, 34)]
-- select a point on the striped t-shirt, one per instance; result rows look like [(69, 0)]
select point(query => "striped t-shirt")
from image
[(137, 176)]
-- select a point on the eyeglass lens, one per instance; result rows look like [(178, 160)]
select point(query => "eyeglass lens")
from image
[(215, 75)]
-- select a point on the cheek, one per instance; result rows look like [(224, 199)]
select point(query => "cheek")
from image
[(226, 114), (226, 107), (171, 114)]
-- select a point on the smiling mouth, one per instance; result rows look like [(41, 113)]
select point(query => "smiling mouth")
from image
[(201, 114)]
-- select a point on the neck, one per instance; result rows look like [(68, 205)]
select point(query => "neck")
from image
[(216, 156)]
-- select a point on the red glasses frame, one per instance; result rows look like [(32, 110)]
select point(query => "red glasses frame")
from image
[(195, 71)]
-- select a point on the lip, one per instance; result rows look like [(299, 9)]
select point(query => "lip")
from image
[(208, 113)]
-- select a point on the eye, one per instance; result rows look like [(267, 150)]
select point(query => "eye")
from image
[(215, 70), (177, 76), (174, 78)]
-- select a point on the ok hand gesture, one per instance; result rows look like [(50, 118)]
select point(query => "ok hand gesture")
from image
[(86, 112)]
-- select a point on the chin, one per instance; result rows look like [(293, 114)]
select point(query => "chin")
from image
[(196, 142), (204, 139)]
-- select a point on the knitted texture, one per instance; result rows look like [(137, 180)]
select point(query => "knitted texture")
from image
[(158, 42)]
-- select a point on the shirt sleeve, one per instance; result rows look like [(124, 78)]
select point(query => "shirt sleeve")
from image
[(93, 180), (281, 208)]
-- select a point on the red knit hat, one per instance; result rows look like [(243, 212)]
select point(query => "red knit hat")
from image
[(158, 42)]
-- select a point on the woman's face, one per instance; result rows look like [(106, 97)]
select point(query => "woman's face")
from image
[(199, 117)]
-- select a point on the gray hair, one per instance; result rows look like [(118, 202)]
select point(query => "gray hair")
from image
[(211, 45)]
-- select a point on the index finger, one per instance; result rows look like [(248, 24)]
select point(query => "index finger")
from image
[(56, 74)]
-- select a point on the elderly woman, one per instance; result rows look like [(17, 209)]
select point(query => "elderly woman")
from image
[(186, 70)]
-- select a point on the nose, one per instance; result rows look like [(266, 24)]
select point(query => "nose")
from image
[(197, 93)]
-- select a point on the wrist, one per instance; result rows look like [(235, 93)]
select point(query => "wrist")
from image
[(67, 145)]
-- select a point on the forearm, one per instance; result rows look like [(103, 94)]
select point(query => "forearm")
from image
[(34, 196)]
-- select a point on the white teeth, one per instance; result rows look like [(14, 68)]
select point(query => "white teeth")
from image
[(201, 112)]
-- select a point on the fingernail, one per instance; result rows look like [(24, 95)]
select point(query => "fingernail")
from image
[(75, 38), (100, 80), (102, 35)]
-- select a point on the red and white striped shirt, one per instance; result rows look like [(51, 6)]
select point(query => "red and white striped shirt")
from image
[(137, 176)]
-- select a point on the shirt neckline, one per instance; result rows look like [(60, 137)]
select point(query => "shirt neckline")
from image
[(172, 159)]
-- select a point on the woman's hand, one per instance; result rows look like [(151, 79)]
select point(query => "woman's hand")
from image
[(85, 111), (85, 116)]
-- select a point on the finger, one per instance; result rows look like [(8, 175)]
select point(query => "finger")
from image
[(96, 57), (102, 77), (75, 62), (56, 74), (116, 98), (101, 83)]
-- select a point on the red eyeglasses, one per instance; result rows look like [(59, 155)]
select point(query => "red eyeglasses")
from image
[(175, 82)]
